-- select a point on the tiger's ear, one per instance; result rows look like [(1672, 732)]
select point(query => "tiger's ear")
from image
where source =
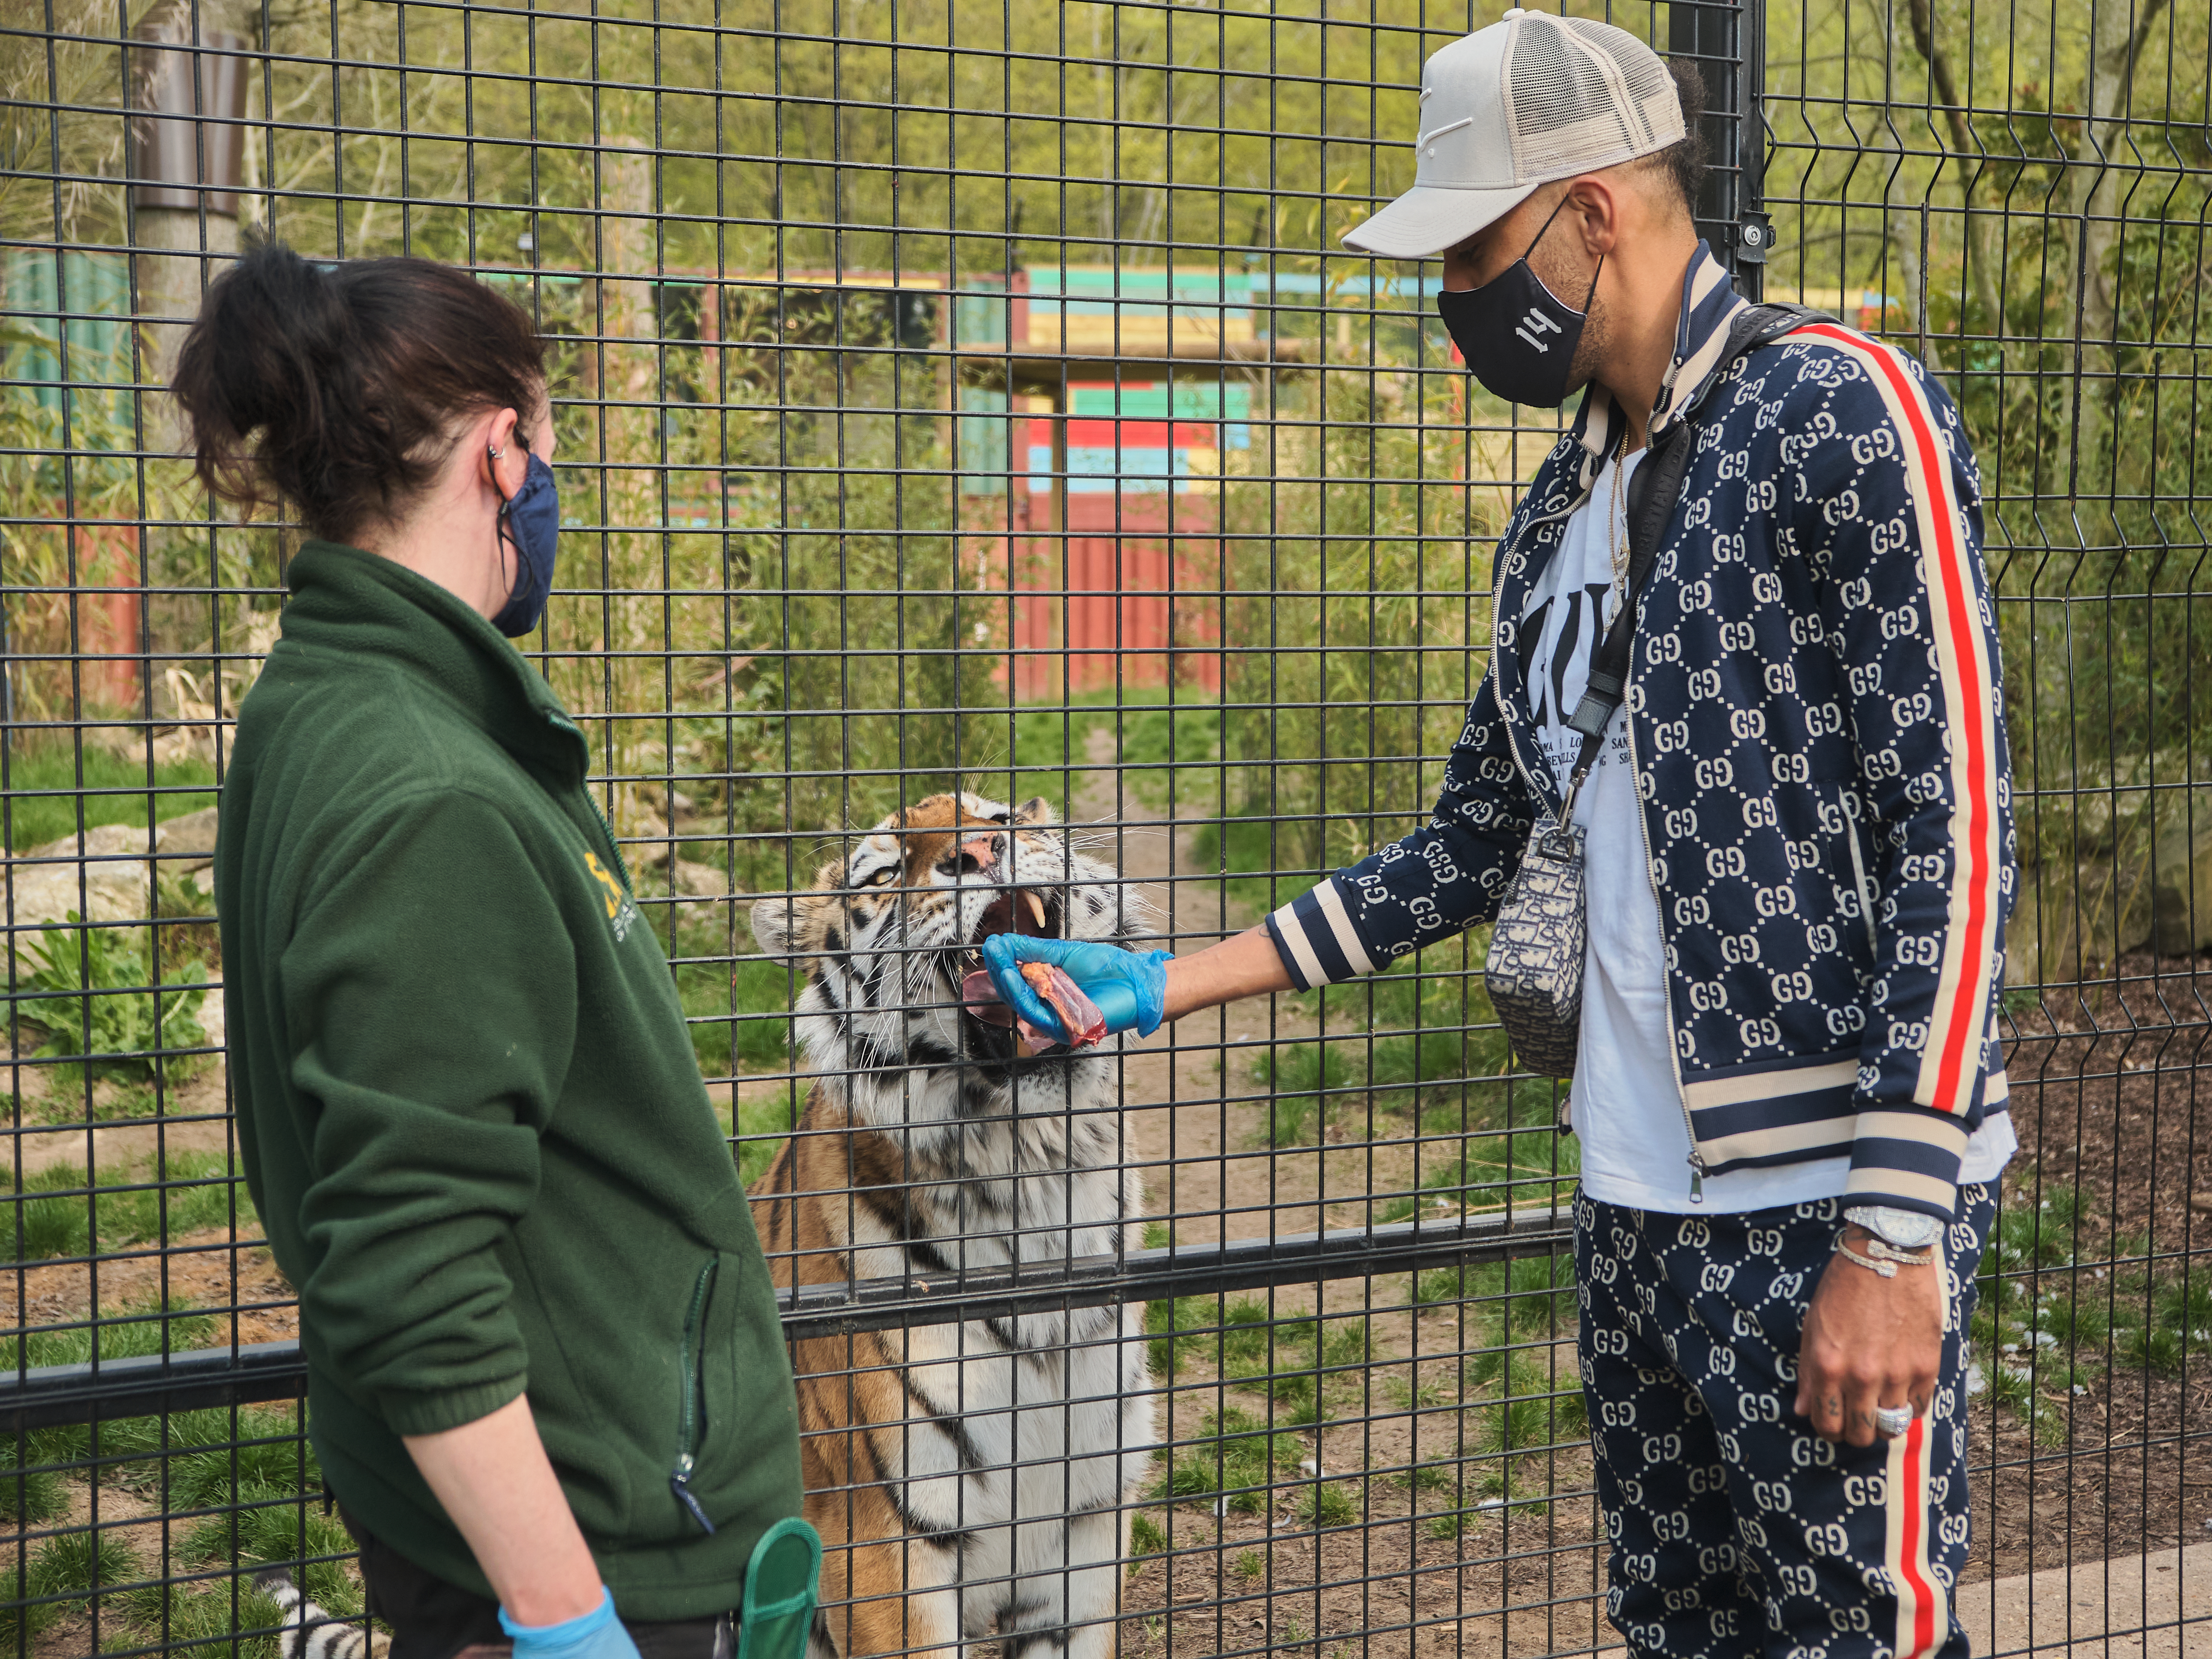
[(1037, 810), (789, 926)]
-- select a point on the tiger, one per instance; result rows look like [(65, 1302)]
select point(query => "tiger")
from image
[(309, 1630), (971, 1481)]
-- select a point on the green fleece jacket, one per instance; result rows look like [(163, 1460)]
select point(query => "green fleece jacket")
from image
[(468, 1107)]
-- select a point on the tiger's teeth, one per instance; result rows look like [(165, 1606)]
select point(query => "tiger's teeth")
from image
[(1037, 905)]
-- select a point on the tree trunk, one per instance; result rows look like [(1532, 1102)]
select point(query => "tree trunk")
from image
[(1980, 250), (2100, 181)]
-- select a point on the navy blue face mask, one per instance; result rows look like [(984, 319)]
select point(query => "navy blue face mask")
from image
[(530, 521)]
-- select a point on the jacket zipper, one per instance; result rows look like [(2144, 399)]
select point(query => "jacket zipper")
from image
[(689, 1359), (1666, 975), (614, 848)]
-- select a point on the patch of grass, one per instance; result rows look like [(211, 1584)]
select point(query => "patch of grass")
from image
[(1146, 1537), (132, 1332), (292, 1531), (2048, 1420), (43, 783), (1158, 1235), (1421, 1394), (763, 1123), (1309, 1080), (1532, 1409), (1250, 1566), (1246, 1349), (1446, 1523), (199, 1622), (738, 1012), (1233, 1455), (29, 1496), (55, 1209), (1187, 1329), (1540, 1295), (1158, 749), (1248, 847), (65, 1574), (1327, 1504), (1343, 1343)]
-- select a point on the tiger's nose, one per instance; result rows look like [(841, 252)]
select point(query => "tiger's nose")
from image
[(979, 856)]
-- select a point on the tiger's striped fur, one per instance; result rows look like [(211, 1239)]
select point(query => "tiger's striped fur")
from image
[(311, 1632), (969, 1481)]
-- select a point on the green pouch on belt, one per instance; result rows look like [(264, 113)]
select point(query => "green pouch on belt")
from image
[(780, 1586)]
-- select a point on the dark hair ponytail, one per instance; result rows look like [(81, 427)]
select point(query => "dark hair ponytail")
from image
[(353, 375)]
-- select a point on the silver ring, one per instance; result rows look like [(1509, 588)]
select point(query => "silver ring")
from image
[(1890, 1421)]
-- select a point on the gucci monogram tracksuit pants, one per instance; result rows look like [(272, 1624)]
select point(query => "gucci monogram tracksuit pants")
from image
[(1733, 1529)]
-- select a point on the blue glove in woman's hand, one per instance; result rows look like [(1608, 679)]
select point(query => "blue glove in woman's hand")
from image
[(594, 1635), (1130, 988)]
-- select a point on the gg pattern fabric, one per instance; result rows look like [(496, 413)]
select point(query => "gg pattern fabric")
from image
[(1816, 717), (1733, 1529)]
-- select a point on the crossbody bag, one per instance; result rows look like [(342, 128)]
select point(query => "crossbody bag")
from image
[(1533, 972)]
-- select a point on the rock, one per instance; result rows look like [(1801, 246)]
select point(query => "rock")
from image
[(211, 1012), (700, 880), (110, 862), (187, 842), (2181, 890), (2155, 890)]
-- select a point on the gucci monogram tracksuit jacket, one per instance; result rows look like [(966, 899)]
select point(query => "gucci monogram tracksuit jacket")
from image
[(1818, 729)]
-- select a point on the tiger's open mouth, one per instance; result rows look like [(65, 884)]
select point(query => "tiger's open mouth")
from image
[(1039, 912), (1036, 911)]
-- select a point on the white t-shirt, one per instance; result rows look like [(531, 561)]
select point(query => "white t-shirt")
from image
[(1627, 1108)]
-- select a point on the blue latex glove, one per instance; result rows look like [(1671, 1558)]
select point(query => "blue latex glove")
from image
[(1129, 987), (594, 1635)]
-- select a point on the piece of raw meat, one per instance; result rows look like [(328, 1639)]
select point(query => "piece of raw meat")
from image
[(1079, 1015), (1062, 995)]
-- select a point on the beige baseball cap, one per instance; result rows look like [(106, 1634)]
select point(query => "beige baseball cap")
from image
[(1516, 104)]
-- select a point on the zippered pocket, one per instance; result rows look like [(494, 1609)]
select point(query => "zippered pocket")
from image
[(1858, 870), (690, 1357)]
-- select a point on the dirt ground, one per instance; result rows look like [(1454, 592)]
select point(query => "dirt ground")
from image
[(2104, 1096)]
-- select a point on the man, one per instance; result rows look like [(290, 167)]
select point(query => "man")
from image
[(1799, 858)]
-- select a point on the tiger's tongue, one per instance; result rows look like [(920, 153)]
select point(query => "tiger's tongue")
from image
[(981, 999)]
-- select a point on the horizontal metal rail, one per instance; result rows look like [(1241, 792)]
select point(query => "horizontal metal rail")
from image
[(52, 1396)]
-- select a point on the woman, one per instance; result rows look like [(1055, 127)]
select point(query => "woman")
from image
[(546, 1379)]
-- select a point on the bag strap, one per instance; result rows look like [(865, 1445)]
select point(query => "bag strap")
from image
[(1653, 494)]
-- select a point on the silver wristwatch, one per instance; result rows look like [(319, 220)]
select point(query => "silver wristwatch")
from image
[(1907, 1229)]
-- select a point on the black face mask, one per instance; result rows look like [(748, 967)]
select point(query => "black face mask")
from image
[(1518, 339)]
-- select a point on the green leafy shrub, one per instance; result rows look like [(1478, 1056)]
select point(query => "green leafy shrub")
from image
[(91, 1000)]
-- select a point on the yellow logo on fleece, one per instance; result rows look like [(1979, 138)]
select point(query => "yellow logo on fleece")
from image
[(620, 912), (614, 894)]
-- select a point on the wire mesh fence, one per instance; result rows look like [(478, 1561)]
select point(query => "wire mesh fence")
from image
[(975, 398)]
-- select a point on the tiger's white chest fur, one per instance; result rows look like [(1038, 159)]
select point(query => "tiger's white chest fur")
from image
[(1024, 1439)]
